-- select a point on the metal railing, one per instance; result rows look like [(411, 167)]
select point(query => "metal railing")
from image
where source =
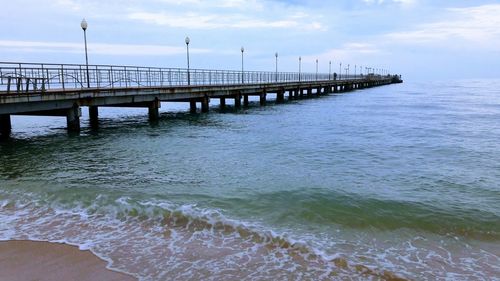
[(38, 77)]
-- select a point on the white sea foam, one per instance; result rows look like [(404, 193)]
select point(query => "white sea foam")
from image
[(163, 241)]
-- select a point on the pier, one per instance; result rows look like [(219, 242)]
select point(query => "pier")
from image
[(63, 89)]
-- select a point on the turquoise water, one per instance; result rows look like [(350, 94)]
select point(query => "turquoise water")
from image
[(395, 181)]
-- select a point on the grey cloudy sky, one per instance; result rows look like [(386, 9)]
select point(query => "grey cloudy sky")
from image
[(420, 39)]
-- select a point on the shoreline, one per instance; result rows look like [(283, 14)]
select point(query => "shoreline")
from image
[(39, 260)]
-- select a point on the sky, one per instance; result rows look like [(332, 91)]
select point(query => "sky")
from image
[(419, 39)]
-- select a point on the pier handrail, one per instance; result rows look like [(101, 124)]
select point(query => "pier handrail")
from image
[(16, 77)]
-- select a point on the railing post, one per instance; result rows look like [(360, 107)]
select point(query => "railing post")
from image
[(48, 79), (149, 77), (27, 85), (111, 77), (97, 74), (43, 79), (8, 84), (62, 76), (18, 82), (161, 77), (125, 75)]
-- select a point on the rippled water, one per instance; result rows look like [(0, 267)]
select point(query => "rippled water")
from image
[(391, 182)]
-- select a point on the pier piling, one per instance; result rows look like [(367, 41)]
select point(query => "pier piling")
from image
[(153, 110), (205, 104), (5, 125), (192, 106), (263, 98), (94, 116), (73, 119)]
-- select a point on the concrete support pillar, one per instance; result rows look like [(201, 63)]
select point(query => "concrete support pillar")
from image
[(192, 106), (237, 100), (245, 100), (222, 103), (309, 92), (5, 126), (301, 93), (73, 118), (153, 110), (318, 91), (94, 116), (335, 89), (290, 95), (263, 98), (205, 104), (280, 96)]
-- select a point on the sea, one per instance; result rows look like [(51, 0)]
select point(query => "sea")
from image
[(400, 182)]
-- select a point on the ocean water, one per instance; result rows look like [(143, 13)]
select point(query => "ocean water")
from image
[(400, 181)]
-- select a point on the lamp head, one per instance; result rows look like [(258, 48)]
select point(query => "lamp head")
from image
[(187, 40), (84, 24)]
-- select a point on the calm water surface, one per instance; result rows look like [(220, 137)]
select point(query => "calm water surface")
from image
[(395, 181)]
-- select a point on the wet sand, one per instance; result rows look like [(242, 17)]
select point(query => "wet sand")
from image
[(42, 261)]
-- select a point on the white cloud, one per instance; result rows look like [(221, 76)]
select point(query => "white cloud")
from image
[(96, 48), (69, 4), (478, 25), (349, 52), (402, 2), (237, 14), (213, 21)]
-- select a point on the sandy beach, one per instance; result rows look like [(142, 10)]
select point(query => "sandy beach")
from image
[(42, 261)]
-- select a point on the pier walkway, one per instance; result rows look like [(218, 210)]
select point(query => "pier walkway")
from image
[(62, 89)]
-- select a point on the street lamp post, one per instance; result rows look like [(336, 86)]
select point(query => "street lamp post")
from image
[(316, 69), (340, 71), (187, 49), (348, 70), (242, 69), (84, 26), (276, 55), (330, 70), (355, 69), (300, 67)]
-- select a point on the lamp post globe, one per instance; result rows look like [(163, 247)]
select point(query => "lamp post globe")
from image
[(84, 24)]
